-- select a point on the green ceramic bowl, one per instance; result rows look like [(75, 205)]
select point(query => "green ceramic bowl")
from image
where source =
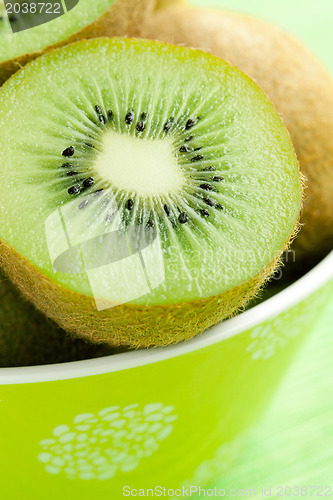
[(162, 417), (165, 417)]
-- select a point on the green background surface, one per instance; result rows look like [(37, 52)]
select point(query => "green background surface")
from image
[(293, 444)]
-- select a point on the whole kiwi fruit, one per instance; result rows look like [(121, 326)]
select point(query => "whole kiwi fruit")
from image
[(87, 19), (27, 338), (147, 190), (298, 86)]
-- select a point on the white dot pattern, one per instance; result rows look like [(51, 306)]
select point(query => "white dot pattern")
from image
[(115, 440), (268, 338), (220, 463)]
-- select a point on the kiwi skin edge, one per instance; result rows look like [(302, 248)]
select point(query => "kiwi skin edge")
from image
[(161, 4), (124, 18), (129, 325), (296, 83)]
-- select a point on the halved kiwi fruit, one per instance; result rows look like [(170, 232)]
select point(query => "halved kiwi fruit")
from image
[(298, 86), (147, 190), (87, 19), (27, 338)]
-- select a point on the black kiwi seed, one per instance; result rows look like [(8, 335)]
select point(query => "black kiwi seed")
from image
[(98, 192), (198, 149), (88, 145), (217, 178), (209, 169), (66, 165), (206, 187), (68, 151), (150, 224), (72, 172), (88, 182), (140, 126), (83, 204), (184, 149), (209, 202), (190, 123), (129, 204), (110, 115), (183, 218), (167, 209), (219, 207), (100, 114), (189, 138), (204, 212), (168, 124), (74, 189), (129, 118), (197, 158)]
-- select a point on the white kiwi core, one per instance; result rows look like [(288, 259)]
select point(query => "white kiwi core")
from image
[(140, 165)]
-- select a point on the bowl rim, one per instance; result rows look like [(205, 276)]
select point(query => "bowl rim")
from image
[(288, 297)]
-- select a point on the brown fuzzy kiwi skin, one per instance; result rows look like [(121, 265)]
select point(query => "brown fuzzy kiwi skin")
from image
[(129, 325), (27, 338), (161, 4), (124, 18), (296, 83)]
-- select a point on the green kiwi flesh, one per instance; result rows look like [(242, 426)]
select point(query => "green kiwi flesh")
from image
[(134, 136), (27, 338), (87, 19)]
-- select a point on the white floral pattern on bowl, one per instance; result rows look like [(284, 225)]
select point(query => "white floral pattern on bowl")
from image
[(220, 463), (115, 440), (269, 337)]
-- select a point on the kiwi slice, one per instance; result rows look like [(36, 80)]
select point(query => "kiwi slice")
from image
[(147, 190), (297, 84), (87, 19), (27, 338)]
